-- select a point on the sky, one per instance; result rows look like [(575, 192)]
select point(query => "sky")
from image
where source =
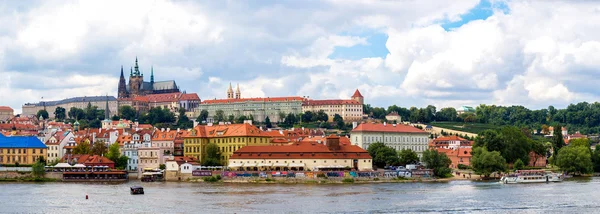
[(404, 52)]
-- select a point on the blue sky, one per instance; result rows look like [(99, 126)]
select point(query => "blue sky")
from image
[(408, 53)]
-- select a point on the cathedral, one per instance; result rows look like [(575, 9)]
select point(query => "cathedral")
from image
[(138, 87)]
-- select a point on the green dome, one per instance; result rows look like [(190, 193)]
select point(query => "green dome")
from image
[(76, 123)]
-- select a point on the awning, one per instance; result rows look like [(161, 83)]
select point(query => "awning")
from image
[(280, 164), (265, 164), (63, 165), (79, 165), (296, 165), (236, 165), (250, 164), (336, 167)]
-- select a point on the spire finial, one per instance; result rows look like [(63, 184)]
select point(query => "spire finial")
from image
[(152, 74)]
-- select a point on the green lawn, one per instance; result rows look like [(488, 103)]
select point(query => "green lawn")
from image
[(465, 127)]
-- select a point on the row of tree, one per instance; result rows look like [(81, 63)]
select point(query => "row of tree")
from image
[(99, 148)]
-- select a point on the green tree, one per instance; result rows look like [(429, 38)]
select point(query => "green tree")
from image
[(322, 116), (557, 138), (95, 123), (183, 121), (127, 112), (37, 169), (113, 152), (231, 118), (121, 162), (281, 116), (60, 113), (446, 114), (82, 148), (99, 148), (596, 158), (383, 155), (308, 117), (115, 118), (219, 116), (203, 116), (162, 166), (76, 113), (339, 121), (42, 113), (212, 156), (268, 122), (538, 148), (485, 162), (518, 165), (574, 159), (439, 162), (240, 119), (407, 156)]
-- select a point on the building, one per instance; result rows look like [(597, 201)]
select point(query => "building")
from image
[(350, 110), (6, 113), (149, 158), (30, 109), (397, 136), (458, 156), (138, 87), (228, 137), (88, 160), (465, 109), (393, 117), (165, 139), (56, 143), (259, 108), (450, 142), (22, 150), (331, 154)]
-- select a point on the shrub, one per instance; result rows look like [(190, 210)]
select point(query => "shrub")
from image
[(322, 176), (269, 180), (375, 179), (210, 179), (218, 177), (347, 180), (462, 166)]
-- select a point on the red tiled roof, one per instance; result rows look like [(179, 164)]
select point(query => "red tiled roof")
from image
[(192, 96), (357, 94), (5, 108), (145, 126), (449, 138), (160, 98), (89, 160), (329, 102), (230, 130), (302, 150), (268, 99), (164, 135), (379, 127), (18, 126)]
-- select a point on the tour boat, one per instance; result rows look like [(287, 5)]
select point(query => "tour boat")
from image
[(531, 176), (137, 190)]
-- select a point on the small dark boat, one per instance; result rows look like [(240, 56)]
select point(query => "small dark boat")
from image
[(137, 190)]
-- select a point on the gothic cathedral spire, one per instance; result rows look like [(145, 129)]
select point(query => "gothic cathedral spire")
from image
[(152, 75), (137, 68), (122, 87)]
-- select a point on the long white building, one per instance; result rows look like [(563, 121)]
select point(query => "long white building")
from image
[(397, 136)]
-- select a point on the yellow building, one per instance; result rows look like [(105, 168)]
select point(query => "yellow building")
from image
[(21, 149), (228, 137)]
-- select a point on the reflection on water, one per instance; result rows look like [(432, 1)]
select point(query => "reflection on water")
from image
[(573, 196)]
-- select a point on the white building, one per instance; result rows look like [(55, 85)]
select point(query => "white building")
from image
[(396, 136)]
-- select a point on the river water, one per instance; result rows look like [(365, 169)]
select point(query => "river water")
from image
[(573, 196)]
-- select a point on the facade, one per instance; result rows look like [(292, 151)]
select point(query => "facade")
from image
[(259, 108), (397, 136), (393, 117), (165, 139), (78, 102), (350, 110), (330, 154), (228, 137), (138, 87), (458, 156), (149, 157), (22, 150), (6, 113), (56, 144), (88, 160), (456, 148)]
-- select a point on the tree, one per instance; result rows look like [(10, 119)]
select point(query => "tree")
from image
[(212, 156), (308, 117), (203, 116), (545, 129), (509, 141), (241, 119), (439, 162), (268, 123), (557, 139), (322, 116), (485, 162), (339, 121), (162, 166), (99, 148), (290, 120), (115, 118), (127, 112), (183, 121), (281, 116), (60, 113), (596, 158), (230, 118), (446, 114), (407, 156), (42, 113), (518, 165), (82, 148), (113, 152), (538, 148), (95, 123), (219, 116), (383, 155), (121, 162), (574, 159), (37, 169), (76, 113)]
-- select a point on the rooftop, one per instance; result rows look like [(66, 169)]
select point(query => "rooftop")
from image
[(75, 99), (268, 99), (380, 127), (329, 102), (21, 142)]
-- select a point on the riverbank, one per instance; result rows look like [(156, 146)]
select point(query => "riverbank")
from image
[(29, 179), (347, 180)]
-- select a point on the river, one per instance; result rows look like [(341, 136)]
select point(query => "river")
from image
[(573, 196)]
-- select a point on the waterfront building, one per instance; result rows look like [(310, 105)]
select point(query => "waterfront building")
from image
[(149, 158), (6, 113), (30, 109), (228, 138), (129, 149), (56, 143), (165, 139), (330, 154), (349, 110), (450, 142), (88, 160), (396, 136), (458, 156), (138, 87), (21, 149)]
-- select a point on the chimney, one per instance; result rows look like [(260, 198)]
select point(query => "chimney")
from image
[(162, 129), (178, 129), (333, 143), (394, 125), (168, 129), (354, 124), (302, 128), (384, 123), (221, 123), (209, 124)]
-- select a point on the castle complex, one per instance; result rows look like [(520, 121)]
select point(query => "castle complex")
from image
[(138, 87)]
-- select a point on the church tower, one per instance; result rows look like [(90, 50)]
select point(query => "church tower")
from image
[(230, 92), (238, 94), (358, 97), (135, 81), (152, 77), (122, 87)]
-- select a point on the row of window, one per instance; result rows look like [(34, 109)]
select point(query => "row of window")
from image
[(393, 139), (20, 151), (314, 161)]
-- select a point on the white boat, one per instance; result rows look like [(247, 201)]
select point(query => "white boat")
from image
[(531, 176)]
